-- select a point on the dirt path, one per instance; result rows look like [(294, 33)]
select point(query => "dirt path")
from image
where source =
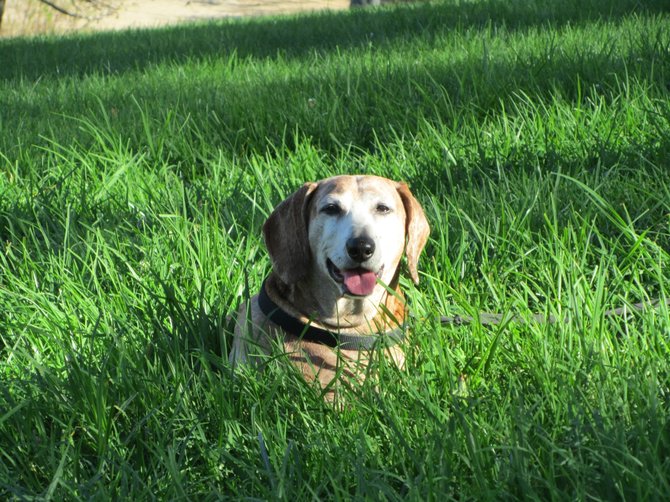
[(30, 17)]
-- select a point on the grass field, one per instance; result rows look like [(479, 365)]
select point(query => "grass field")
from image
[(136, 169)]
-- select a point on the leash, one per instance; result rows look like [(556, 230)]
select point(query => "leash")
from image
[(311, 333), (306, 331), (490, 319)]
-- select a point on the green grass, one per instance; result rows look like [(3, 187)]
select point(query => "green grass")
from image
[(136, 169)]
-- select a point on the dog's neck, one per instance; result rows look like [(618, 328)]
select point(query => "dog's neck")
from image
[(337, 312)]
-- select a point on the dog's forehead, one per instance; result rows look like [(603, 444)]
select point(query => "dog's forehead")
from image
[(359, 188)]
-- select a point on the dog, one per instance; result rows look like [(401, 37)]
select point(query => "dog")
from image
[(333, 294)]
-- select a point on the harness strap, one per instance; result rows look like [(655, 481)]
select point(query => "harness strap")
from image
[(311, 333)]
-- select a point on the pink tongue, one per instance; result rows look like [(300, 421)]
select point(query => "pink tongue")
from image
[(359, 282)]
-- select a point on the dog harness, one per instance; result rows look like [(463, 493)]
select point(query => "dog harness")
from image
[(311, 333)]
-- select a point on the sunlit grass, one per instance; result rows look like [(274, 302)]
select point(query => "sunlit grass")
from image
[(131, 199)]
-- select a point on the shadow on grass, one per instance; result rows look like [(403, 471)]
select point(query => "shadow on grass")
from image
[(360, 106), (291, 36)]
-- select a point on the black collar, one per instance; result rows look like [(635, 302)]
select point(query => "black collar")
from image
[(311, 333)]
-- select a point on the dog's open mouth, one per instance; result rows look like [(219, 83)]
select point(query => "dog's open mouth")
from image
[(357, 281)]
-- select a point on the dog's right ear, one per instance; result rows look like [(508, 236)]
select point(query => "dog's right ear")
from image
[(286, 237)]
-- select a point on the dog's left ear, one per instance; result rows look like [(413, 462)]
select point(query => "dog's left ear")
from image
[(285, 234), (416, 230)]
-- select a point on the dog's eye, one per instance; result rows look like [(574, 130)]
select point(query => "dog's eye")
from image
[(331, 209), (383, 208)]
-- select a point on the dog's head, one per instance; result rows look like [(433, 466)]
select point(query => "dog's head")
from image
[(351, 230)]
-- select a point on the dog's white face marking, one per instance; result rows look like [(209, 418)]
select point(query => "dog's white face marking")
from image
[(357, 234)]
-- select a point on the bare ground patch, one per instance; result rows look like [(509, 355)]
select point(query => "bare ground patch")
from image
[(30, 17)]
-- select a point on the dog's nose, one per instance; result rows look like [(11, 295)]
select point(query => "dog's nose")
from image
[(360, 249)]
